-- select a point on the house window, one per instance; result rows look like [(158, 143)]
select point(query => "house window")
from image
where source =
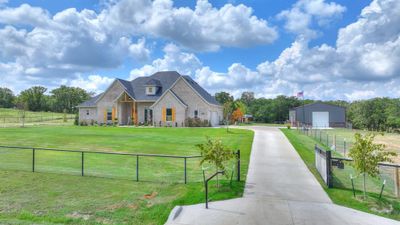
[(168, 114), (196, 113), (87, 112), (151, 90), (109, 114)]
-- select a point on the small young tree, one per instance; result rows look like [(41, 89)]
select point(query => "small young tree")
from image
[(214, 152), (366, 155), (237, 115), (227, 110)]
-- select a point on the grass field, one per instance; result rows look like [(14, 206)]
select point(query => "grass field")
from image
[(343, 195), (13, 118), (47, 197), (391, 140)]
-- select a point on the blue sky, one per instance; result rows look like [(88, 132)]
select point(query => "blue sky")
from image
[(330, 49)]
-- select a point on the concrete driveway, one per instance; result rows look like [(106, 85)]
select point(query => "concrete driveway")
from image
[(279, 190)]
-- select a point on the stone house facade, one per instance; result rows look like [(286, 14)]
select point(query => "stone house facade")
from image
[(162, 99)]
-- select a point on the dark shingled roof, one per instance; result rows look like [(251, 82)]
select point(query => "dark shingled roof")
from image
[(164, 80), (209, 98), (91, 102), (153, 82)]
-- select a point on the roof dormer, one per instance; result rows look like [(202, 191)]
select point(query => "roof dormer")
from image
[(152, 86)]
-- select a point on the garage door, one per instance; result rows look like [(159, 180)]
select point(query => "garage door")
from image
[(214, 119), (320, 119)]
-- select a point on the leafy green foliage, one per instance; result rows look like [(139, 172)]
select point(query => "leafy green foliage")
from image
[(382, 114), (66, 98), (6, 98), (367, 154), (247, 98), (34, 98), (223, 97), (215, 152)]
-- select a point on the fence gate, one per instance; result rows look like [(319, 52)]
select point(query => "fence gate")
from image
[(323, 164)]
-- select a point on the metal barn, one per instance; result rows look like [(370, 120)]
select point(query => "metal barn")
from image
[(318, 115)]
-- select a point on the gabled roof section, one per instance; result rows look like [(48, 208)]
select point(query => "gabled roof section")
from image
[(89, 103), (203, 93), (173, 94), (153, 82), (166, 79)]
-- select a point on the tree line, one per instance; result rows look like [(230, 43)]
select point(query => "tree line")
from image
[(36, 98), (381, 114)]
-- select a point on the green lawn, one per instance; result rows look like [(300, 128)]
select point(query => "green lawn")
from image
[(13, 118), (341, 193), (51, 196)]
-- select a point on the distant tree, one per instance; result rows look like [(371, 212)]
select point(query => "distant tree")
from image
[(238, 104), (247, 97), (66, 98), (366, 155), (223, 97), (34, 98), (227, 110), (7, 98)]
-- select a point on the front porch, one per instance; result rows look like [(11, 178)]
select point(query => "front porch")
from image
[(131, 112)]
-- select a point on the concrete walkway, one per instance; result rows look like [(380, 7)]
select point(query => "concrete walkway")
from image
[(279, 190)]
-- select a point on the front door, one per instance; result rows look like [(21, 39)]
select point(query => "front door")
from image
[(148, 115)]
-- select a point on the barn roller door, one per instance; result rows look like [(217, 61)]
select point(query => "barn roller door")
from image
[(320, 119)]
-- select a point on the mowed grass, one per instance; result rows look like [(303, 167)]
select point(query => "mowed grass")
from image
[(50, 196), (341, 194), (390, 140)]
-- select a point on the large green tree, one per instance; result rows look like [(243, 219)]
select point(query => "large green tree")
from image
[(66, 98), (247, 97), (223, 97), (34, 98), (7, 98)]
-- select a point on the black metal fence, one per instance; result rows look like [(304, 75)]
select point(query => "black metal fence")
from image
[(340, 173), (331, 141), (134, 166)]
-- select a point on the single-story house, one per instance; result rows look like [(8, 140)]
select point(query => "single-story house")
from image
[(319, 115), (163, 99)]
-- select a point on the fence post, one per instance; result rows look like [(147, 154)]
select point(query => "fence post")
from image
[(238, 165), (185, 170), (396, 182), (82, 159), (334, 142), (328, 168), (137, 167), (327, 140), (33, 159)]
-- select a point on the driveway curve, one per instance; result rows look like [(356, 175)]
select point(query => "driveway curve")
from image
[(279, 190)]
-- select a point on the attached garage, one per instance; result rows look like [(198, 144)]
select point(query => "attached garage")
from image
[(318, 115)]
